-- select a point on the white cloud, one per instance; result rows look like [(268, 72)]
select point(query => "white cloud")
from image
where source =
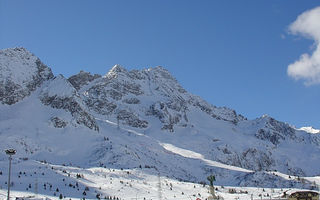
[(307, 67)]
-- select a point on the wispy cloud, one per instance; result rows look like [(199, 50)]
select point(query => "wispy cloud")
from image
[(307, 68)]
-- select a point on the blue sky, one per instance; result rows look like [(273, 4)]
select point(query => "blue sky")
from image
[(231, 53)]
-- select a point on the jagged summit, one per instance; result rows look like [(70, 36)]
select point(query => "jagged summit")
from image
[(162, 72), (19, 66), (265, 116), (82, 78), (17, 50), (21, 73), (155, 72), (117, 68), (115, 71)]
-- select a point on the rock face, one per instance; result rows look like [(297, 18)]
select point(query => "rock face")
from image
[(82, 79), (274, 131), (21, 73), (58, 123), (119, 94), (130, 119), (60, 94)]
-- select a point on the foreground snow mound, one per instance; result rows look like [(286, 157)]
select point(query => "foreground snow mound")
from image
[(20, 74)]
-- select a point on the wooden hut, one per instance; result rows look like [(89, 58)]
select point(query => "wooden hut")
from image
[(304, 195)]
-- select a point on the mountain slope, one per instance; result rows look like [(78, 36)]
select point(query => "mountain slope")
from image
[(143, 119), (21, 73)]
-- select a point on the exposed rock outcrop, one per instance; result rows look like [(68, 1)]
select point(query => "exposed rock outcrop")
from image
[(82, 78), (21, 73), (60, 94)]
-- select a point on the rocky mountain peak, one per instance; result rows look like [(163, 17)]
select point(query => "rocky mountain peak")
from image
[(115, 71), (273, 130), (118, 68), (17, 51), (21, 73), (161, 72), (82, 78)]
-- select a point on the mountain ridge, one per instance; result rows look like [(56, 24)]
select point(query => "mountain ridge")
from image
[(127, 119)]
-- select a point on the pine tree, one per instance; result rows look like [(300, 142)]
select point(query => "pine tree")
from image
[(211, 178)]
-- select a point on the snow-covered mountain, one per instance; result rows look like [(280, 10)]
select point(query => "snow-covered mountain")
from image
[(310, 129), (21, 73), (143, 119)]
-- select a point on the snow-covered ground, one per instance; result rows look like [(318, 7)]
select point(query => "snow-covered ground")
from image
[(43, 180)]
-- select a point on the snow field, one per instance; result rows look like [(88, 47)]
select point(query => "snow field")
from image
[(43, 180)]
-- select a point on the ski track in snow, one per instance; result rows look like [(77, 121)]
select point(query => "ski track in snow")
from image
[(186, 153), (194, 155)]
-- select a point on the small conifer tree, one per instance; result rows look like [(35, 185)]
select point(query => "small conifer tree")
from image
[(211, 178)]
